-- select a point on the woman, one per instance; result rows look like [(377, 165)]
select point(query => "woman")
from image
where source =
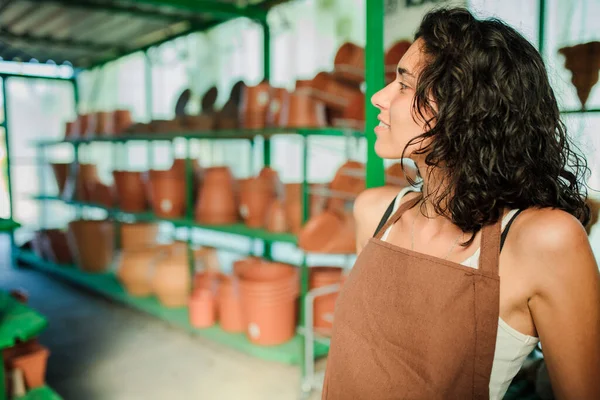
[(465, 274)]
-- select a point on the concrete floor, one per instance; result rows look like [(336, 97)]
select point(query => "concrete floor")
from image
[(104, 351)]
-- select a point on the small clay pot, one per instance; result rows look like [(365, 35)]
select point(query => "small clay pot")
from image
[(276, 217), (217, 199), (92, 244), (121, 121), (131, 192), (256, 195), (168, 194), (172, 278), (303, 111), (33, 364), (254, 106), (71, 130), (278, 100), (202, 309), (583, 60), (349, 63), (57, 247), (139, 235), (136, 268), (61, 172)]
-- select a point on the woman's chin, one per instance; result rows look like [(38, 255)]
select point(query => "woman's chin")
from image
[(386, 151)]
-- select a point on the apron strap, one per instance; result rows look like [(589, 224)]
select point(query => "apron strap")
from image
[(396, 216), (490, 248)]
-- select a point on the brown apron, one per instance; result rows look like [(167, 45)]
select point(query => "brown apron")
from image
[(413, 326)]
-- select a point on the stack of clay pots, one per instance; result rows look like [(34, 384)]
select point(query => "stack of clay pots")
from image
[(102, 123), (583, 60), (81, 182), (92, 244), (324, 306)]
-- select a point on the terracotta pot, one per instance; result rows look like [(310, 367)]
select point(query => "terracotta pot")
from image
[(269, 277), (256, 195), (198, 123), (332, 92), (57, 248), (276, 217), (303, 111), (228, 117), (92, 244), (136, 268), (240, 266), (102, 129), (61, 172), (78, 185), (138, 235), (217, 200), (100, 193), (121, 121), (319, 230), (33, 364), (392, 56), (254, 106), (350, 179), (344, 240), (83, 122), (209, 99), (353, 116), (278, 99), (231, 316), (293, 202), (583, 60), (350, 63), (324, 306), (168, 194), (172, 279), (71, 130), (131, 191), (202, 309)]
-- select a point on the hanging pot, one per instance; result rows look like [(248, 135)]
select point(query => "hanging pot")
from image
[(217, 200), (92, 244)]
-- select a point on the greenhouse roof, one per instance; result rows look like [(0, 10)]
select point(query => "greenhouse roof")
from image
[(87, 33)]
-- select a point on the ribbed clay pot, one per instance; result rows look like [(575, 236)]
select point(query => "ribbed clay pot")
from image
[(255, 105), (324, 306), (136, 268), (138, 235), (302, 111), (217, 199), (172, 281), (131, 191), (92, 244), (350, 63), (269, 292)]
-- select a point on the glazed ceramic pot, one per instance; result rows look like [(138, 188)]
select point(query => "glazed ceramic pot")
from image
[(255, 105), (217, 199), (138, 235), (350, 63), (136, 268), (92, 244), (583, 60), (131, 191), (302, 111), (172, 278)]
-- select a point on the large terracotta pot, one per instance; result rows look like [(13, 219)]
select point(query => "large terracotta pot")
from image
[(92, 244), (583, 60), (303, 111), (172, 278), (217, 199), (350, 63), (138, 235), (231, 314), (320, 230), (131, 191), (136, 268), (254, 105)]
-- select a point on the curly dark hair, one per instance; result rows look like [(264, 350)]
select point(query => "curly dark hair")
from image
[(496, 130)]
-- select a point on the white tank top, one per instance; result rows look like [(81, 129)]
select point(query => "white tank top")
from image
[(512, 346)]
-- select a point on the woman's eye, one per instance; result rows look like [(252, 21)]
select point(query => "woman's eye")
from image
[(403, 86)]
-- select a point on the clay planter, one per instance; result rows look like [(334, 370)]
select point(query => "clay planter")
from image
[(332, 92), (83, 123), (256, 195), (303, 111), (293, 204), (324, 306), (392, 56), (138, 235), (231, 316), (583, 60), (168, 194), (57, 247), (319, 230), (61, 172), (121, 121), (353, 116), (217, 200), (33, 364), (276, 218), (136, 268), (100, 193), (254, 106), (348, 180), (202, 309), (78, 185), (71, 130), (131, 191), (280, 96), (240, 266), (92, 244), (171, 281), (350, 63), (102, 128)]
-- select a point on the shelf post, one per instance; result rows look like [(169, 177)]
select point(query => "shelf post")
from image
[(267, 78), (374, 74), (541, 26), (8, 167)]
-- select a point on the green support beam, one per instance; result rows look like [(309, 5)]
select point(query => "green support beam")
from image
[(211, 8), (374, 74), (541, 26), (8, 152)]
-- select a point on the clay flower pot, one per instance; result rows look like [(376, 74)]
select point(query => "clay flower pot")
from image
[(276, 217), (293, 202), (33, 364), (350, 63), (332, 92), (320, 230), (202, 309), (138, 235), (254, 106), (392, 56), (131, 191), (324, 306), (231, 315), (61, 172), (78, 185), (217, 199), (92, 244), (350, 180), (256, 195), (136, 268), (172, 278), (57, 247), (121, 121), (583, 60), (303, 111), (168, 194), (278, 99)]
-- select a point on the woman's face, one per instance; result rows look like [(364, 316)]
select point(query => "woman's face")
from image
[(395, 101)]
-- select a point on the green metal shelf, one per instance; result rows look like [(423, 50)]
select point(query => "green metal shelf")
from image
[(218, 134), (236, 229), (582, 111), (18, 322), (41, 393), (8, 225), (107, 285)]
